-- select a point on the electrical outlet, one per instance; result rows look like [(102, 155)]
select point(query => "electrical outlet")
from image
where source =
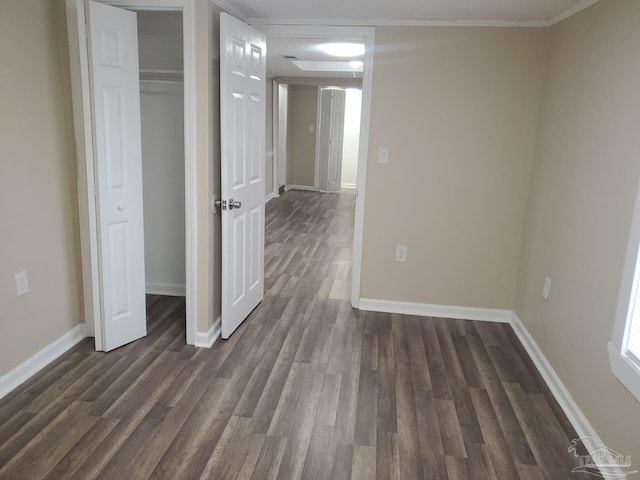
[(401, 253), (546, 288), (22, 283)]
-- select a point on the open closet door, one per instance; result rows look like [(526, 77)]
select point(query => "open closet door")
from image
[(115, 99), (242, 123)]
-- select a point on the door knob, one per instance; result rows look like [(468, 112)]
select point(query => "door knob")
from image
[(120, 207), (234, 204)]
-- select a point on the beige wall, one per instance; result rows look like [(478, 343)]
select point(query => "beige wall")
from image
[(208, 236), (583, 187), (38, 204), (301, 143), (457, 107)]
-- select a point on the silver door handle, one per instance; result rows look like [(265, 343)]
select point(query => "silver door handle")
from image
[(234, 204)]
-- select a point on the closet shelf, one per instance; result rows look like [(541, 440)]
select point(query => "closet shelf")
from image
[(158, 75)]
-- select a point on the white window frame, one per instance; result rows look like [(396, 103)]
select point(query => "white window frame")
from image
[(624, 365)]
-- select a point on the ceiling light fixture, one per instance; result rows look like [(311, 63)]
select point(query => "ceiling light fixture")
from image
[(343, 49), (356, 64)]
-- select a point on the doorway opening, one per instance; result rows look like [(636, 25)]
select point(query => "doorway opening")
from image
[(160, 40), (165, 39), (338, 134), (288, 36)]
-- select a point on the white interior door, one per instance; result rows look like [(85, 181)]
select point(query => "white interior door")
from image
[(115, 97), (330, 138), (242, 114)]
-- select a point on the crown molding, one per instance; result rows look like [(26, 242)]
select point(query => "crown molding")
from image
[(397, 23), (227, 7), (338, 22), (572, 11)]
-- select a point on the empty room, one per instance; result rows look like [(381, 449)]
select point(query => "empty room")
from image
[(314, 240)]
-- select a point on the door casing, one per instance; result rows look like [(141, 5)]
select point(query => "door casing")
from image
[(80, 86)]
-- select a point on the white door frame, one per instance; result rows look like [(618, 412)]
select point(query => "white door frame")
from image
[(80, 86), (281, 147), (275, 190), (367, 36)]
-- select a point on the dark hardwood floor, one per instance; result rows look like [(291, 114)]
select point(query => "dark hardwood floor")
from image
[(306, 388)]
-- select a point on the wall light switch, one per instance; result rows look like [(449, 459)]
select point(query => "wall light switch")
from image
[(22, 283), (311, 128), (383, 155)]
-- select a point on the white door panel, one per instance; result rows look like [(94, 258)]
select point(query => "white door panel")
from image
[(330, 139), (334, 173), (118, 160), (242, 112)]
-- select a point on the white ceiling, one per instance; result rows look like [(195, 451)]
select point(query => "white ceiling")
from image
[(303, 49), (407, 11)]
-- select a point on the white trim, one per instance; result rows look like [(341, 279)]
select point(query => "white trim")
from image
[(227, 7), (571, 11), (363, 154), (79, 61), (625, 370), (87, 215), (622, 367), (191, 242), (348, 185), (316, 160), (208, 338), (300, 187), (380, 22), (271, 196), (583, 427), (162, 288), (40, 359), (434, 310), (274, 136)]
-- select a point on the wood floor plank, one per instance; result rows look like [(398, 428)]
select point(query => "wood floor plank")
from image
[(306, 388), (364, 463)]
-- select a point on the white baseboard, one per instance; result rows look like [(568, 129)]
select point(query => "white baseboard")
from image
[(39, 360), (432, 310), (172, 289), (300, 187), (207, 339), (583, 427), (348, 185), (271, 196)]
